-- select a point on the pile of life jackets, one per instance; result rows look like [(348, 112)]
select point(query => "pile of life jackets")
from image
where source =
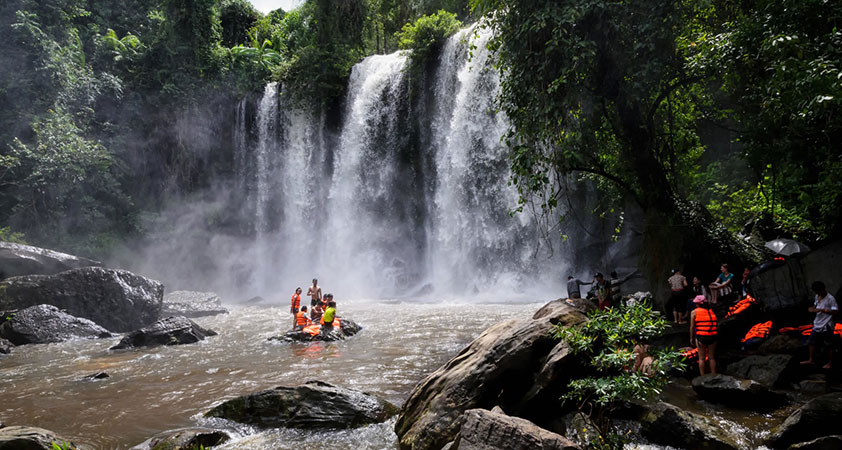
[(761, 330), (740, 306), (806, 330), (316, 328)]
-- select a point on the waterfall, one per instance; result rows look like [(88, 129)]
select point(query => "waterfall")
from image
[(408, 194)]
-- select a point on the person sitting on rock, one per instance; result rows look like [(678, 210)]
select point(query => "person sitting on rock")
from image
[(825, 307), (723, 286), (316, 312), (327, 318), (703, 332), (643, 360), (301, 319)]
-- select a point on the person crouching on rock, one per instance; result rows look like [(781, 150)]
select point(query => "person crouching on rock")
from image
[(327, 318), (301, 319), (703, 332), (825, 307)]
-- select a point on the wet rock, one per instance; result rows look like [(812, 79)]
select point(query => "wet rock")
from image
[(813, 386), (192, 304), (20, 259), (313, 404), (115, 299), (781, 344), (735, 392), (347, 328), (169, 331), (487, 430), (819, 417), (43, 324), (540, 403), (5, 347), (666, 424), (184, 439), (29, 438), (766, 370), (96, 376), (496, 368), (822, 443)]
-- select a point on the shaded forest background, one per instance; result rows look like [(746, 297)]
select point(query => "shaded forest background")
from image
[(722, 120)]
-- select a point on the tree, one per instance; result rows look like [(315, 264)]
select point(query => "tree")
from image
[(236, 17)]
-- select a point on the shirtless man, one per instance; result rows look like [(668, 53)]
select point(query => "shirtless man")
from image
[(315, 293)]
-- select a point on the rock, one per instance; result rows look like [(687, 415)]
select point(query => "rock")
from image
[(96, 376), (169, 331), (184, 439), (823, 264), (115, 299), (782, 286), (766, 370), (20, 259), (43, 324), (192, 304), (540, 404), (5, 347), (813, 387), (738, 393), (583, 305), (819, 417), (781, 344), (347, 328), (496, 368), (313, 404), (666, 424), (29, 438), (487, 430), (823, 443)]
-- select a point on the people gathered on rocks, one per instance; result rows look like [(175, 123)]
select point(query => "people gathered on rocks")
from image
[(322, 309)]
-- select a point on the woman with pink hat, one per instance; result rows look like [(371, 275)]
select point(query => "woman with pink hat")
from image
[(703, 332)]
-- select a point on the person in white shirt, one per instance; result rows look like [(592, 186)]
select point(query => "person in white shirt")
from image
[(825, 307)]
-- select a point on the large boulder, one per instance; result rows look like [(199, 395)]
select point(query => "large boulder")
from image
[(314, 404), (819, 417), (666, 424), (784, 286), (30, 438), (735, 392), (782, 343), (184, 439), (499, 367), (169, 331), (764, 369), (19, 259), (347, 328), (488, 430), (192, 304), (823, 264), (115, 299), (42, 324)]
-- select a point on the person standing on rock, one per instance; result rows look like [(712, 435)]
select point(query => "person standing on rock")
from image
[(603, 292), (825, 307), (573, 287), (703, 333), (315, 293), (295, 303), (676, 303)]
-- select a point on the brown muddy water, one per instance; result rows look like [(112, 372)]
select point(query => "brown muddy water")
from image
[(158, 389)]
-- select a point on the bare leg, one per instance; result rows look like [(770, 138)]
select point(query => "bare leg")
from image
[(712, 355), (702, 353), (810, 359), (829, 364)]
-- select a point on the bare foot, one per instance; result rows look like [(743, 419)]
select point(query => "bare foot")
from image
[(809, 361), (827, 366)]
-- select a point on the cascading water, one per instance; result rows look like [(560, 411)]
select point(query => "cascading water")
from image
[(407, 199)]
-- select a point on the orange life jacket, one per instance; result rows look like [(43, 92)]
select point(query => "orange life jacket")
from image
[(705, 322), (740, 306), (761, 330), (296, 301), (301, 319), (313, 329), (803, 329)]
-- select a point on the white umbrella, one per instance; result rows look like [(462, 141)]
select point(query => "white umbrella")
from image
[(786, 247)]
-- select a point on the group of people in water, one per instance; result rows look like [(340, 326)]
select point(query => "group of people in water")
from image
[(322, 309)]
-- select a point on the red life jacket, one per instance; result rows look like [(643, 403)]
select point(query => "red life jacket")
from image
[(705, 322), (740, 306), (296, 301), (761, 330), (803, 329), (301, 319)]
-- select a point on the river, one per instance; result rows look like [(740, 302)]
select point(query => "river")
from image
[(156, 389)]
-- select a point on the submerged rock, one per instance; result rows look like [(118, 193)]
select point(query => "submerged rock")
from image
[(314, 404), (42, 324), (766, 370), (738, 393), (819, 417), (30, 438), (489, 430), (5, 346), (20, 259), (115, 299), (666, 424), (192, 304), (498, 367), (96, 376), (346, 329), (169, 331), (184, 439)]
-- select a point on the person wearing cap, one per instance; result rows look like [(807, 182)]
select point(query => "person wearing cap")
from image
[(703, 333), (603, 292)]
